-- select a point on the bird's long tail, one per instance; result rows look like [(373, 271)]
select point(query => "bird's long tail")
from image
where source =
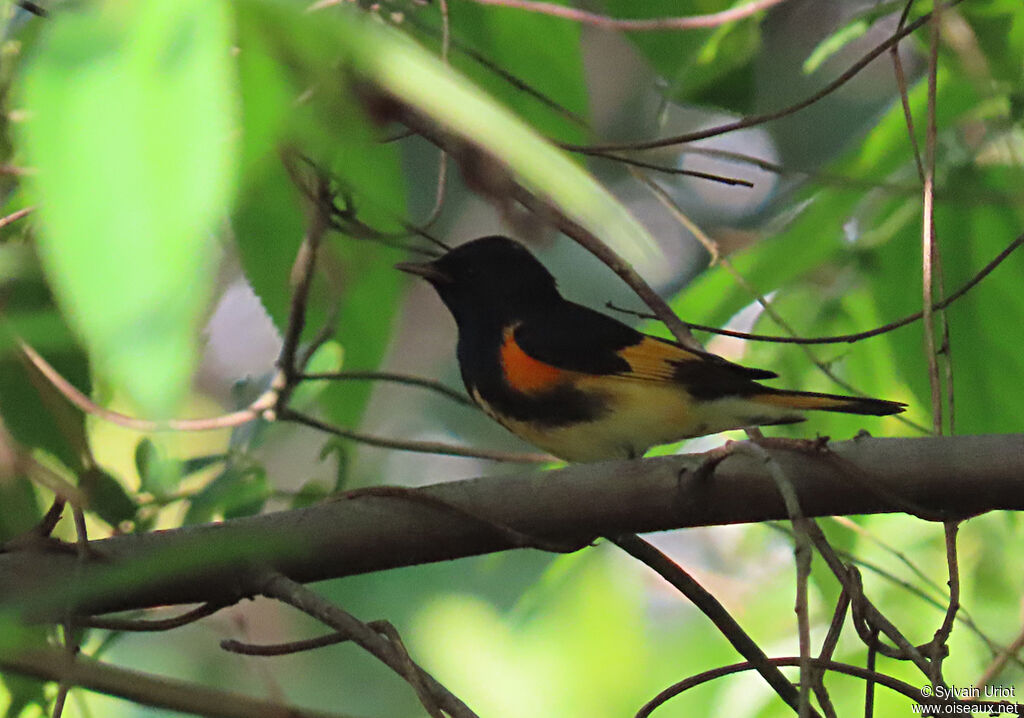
[(813, 401)]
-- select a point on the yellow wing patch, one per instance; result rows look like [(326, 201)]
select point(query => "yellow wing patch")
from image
[(656, 360), (797, 401)]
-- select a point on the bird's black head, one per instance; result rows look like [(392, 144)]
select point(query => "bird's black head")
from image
[(489, 278)]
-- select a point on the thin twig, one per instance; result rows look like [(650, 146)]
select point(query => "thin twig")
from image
[(716, 257), (732, 181), (295, 594), (901, 83), (33, 7), (139, 625), (710, 607), (15, 216), (302, 280), (802, 554), (910, 691), (754, 120), (71, 648), (928, 243), (828, 648), (960, 196), (15, 171), (83, 402), (408, 379), (426, 447), (995, 648), (491, 66), (604, 22), (997, 665), (417, 676), (939, 649), (613, 261), (869, 686), (442, 161), (41, 473), (944, 349), (864, 611), (283, 649), (858, 336), (900, 556)]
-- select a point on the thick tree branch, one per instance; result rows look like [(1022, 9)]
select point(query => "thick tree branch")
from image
[(946, 475)]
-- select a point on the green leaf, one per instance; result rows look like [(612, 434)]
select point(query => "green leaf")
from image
[(198, 463), (20, 507), (50, 424), (310, 493), (24, 692), (108, 498), (238, 491), (553, 67), (814, 236), (133, 188), (365, 324), (340, 449), (330, 127), (395, 66), (158, 474), (834, 43), (706, 66), (35, 413)]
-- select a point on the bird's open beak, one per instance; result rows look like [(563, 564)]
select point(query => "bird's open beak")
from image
[(427, 270)]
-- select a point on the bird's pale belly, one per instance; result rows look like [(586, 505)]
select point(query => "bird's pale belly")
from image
[(646, 414)]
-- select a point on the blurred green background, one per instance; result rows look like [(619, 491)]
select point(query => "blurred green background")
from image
[(154, 274)]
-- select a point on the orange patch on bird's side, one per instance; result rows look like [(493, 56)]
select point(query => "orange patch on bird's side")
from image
[(523, 372)]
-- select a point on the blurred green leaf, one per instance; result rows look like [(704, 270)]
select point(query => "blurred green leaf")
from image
[(553, 67), (519, 670), (268, 226), (371, 300), (329, 127), (310, 493), (834, 43), (159, 475), (705, 66), (999, 32), (131, 190), (326, 359), (20, 507), (109, 498), (35, 413), (23, 693), (339, 450), (237, 492), (52, 425), (398, 67), (810, 239), (25, 696), (198, 463)]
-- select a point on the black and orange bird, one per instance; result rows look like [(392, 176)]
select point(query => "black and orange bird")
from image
[(586, 387)]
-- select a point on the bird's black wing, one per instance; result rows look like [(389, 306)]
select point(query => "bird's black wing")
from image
[(576, 338)]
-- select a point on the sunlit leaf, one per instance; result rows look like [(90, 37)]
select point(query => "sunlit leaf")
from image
[(131, 113)]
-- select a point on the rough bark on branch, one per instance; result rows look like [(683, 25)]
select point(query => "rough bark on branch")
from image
[(214, 562)]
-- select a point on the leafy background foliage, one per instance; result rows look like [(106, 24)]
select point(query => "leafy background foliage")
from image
[(153, 133)]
